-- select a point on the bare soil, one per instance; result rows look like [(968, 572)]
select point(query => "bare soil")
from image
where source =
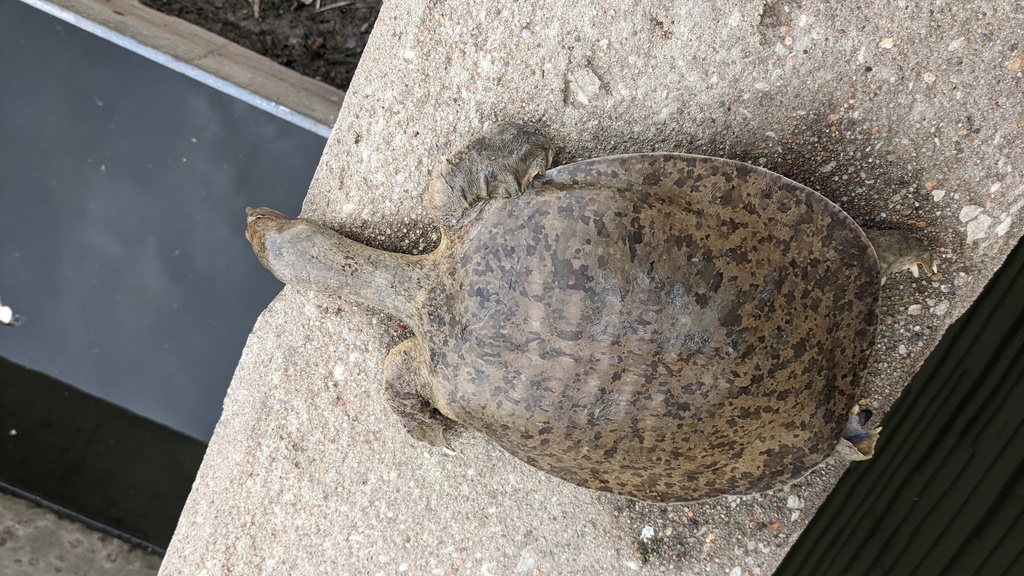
[(325, 45)]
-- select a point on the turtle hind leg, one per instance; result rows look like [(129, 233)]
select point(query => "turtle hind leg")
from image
[(858, 442), (498, 163), (406, 386), (898, 250)]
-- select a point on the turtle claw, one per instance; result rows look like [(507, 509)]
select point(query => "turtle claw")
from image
[(433, 435), (930, 269)]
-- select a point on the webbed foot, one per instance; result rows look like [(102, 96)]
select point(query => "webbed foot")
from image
[(407, 389), (858, 442), (498, 163), (898, 250), (430, 433)]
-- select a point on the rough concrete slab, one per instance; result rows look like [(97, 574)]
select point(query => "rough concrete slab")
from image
[(34, 541), (907, 114)]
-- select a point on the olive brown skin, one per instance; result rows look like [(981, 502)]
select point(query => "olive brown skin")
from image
[(666, 327)]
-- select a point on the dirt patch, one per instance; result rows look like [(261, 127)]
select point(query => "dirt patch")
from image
[(324, 45)]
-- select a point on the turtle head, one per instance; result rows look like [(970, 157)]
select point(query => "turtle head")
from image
[(262, 225), (254, 216), (257, 222)]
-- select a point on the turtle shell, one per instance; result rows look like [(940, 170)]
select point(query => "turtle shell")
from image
[(664, 326)]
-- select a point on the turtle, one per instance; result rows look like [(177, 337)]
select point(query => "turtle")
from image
[(663, 326)]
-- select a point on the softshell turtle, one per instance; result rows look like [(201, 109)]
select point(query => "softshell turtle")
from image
[(663, 326)]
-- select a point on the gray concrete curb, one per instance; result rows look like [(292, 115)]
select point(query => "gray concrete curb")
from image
[(37, 541), (905, 115), (205, 57)]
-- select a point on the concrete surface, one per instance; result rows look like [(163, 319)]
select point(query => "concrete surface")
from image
[(206, 57), (35, 541), (907, 114)]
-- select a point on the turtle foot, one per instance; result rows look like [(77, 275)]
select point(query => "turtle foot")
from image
[(499, 163), (430, 433), (858, 442), (898, 250), (406, 389)]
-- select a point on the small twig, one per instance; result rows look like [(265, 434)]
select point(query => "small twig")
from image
[(333, 6), (256, 9)]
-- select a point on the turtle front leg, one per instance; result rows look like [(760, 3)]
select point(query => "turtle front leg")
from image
[(498, 163), (407, 388)]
